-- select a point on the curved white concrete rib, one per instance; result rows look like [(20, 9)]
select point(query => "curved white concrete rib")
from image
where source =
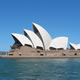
[(33, 38), (22, 39), (42, 34), (59, 43)]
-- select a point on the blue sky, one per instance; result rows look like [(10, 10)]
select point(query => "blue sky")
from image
[(58, 17)]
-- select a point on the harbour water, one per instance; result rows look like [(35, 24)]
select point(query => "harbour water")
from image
[(39, 69)]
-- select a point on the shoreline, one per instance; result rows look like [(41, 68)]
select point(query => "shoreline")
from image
[(29, 57)]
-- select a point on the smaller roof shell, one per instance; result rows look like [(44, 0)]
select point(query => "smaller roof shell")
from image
[(75, 46), (59, 42), (78, 46), (72, 45), (33, 38), (22, 39)]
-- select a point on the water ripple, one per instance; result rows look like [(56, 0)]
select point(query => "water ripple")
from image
[(46, 69)]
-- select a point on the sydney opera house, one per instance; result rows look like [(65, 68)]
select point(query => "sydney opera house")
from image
[(38, 43), (39, 38)]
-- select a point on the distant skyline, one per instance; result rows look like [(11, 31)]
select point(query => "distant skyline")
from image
[(58, 17)]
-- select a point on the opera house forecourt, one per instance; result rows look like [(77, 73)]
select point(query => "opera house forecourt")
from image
[(39, 44)]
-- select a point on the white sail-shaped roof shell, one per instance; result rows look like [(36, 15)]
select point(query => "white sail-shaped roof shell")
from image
[(75, 46), (78, 46), (59, 43), (42, 34), (22, 39), (34, 38)]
